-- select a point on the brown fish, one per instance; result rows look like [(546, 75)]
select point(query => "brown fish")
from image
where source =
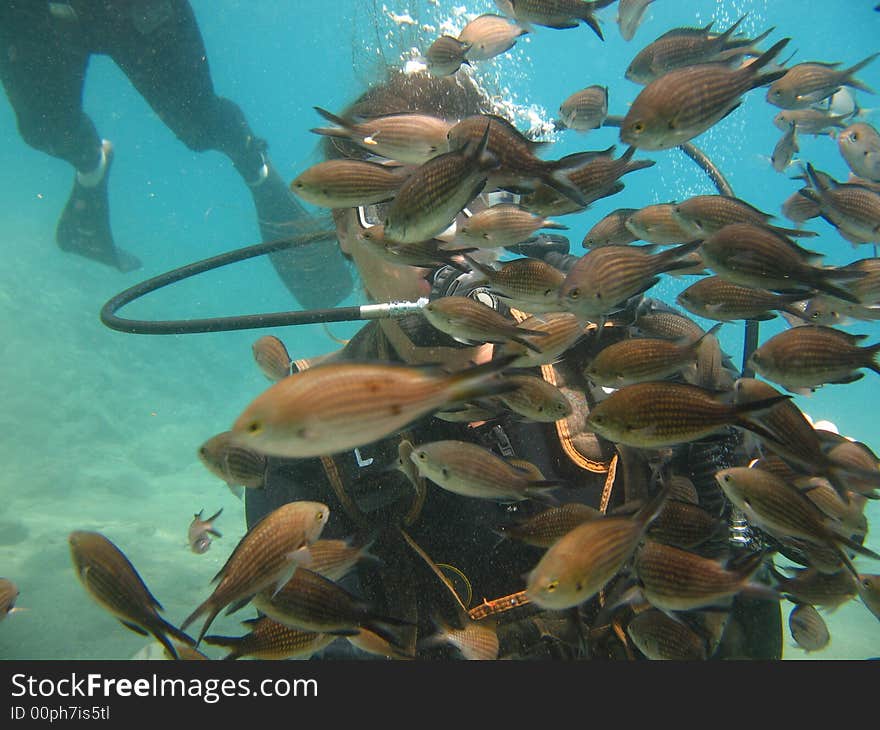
[(703, 215), (446, 55), (437, 191), (236, 465), (684, 525), (673, 579), (714, 297), (642, 359), (334, 407), (8, 596), (200, 532), (658, 414), (854, 210), (545, 528), (580, 563), (611, 230), (528, 284), (272, 357), (784, 511), (112, 581), (808, 628), (563, 331), (585, 109), (810, 586), (808, 83), (559, 14), (813, 355), (349, 183), (408, 138), (859, 145), (657, 224), (685, 102), (604, 278), (489, 35), (868, 586), (477, 641), (335, 558), (810, 121), (536, 399), (470, 320), (312, 602), (629, 16), (660, 637), (269, 639), (503, 224), (268, 555)]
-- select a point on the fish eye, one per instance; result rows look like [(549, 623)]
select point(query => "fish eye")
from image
[(444, 471), (574, 293), (319, 516), (422, 455), (854, 136), (552, 586), (638, 127), (255, 427)]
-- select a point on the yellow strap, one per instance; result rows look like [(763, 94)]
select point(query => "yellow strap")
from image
[(499, 605)]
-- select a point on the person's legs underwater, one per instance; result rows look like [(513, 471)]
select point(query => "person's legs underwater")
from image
[(43, 58), (160, 48)]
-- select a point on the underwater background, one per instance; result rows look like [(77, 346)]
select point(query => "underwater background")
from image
[(100, 428)]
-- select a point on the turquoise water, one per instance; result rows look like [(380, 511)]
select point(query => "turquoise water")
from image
[(101, 428)]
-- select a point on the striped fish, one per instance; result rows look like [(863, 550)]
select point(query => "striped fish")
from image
[(271, 640), (489, 35), (685, 102), (112, 581), (703, 215), (349, 183)]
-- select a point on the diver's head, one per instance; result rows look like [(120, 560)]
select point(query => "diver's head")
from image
[(450, 98)]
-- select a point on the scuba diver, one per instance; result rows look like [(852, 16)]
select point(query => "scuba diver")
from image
[(448, 544), (44, 52)]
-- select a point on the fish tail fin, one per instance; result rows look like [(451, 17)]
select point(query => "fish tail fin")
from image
[(228, 642), (762, 60), (682, 256), (855, 83), (649, 511), (215, 515), (206, 606), (871, 357), (482, 380), (725, 36), (333, 118)]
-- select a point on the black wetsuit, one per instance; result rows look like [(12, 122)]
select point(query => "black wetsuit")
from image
[(44, 52), (462, 532)]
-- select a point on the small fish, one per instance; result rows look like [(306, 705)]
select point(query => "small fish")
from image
[(489, 35), (630, 14), (272, 357), (714, 297), (656, 224), (236, 465), (785, 149), (859, 145), (503, 224), (673, 579), (580, 563), (762, 258), (683, 525), (470, 320), (813, 355), (268, 555), (477, 640), (311, 602), (112, 581), (536, 399), (809, 121), (335, 407), (784, 511), (473, 471), (371, 643), (799, 208), (547, 527), (853, 209), (808, 83), (604, 278), (437, 191), (269, 639), (685, 102), (660, 637), (689, 46), (815, 588), (426, 254), (563, 330), (349, 183), (642, 359), (559, 14), (530, 285), (665, 413), (446, 55), (585, 109), (597, 178), (808, 628), (868, 586), (668, 324), (407, 466), (8, 596), (611, 230), (200, 532), (336, 558), (408, 138)]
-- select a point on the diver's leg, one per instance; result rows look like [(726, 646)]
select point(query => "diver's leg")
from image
[(43, 60), (168, 65)]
